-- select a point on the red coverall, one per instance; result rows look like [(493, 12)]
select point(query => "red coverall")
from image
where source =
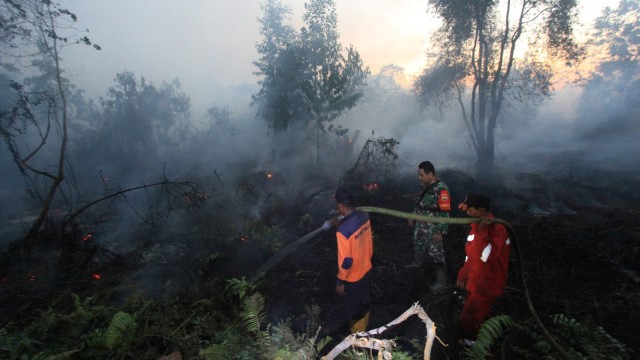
[(484, 273)]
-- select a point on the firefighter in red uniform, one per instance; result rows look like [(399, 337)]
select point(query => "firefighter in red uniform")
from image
[(484, 272), (355, 249)]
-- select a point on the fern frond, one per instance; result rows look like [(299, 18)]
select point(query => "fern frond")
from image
[(588, 341), (63, 355), (490, 331), (121, 326), (216, 351), (254, 316), (240, 287), (322, 343)]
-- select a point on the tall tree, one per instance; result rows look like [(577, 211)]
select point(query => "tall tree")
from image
[(36, 126), (309, 80), (609, 104), (333, 81), (278, 66), (616, 36), (475, 52), (138, 124)]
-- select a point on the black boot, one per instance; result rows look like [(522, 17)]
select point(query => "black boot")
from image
[(418, 259), (441, 278)]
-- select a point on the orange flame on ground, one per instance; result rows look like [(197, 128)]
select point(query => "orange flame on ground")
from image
[(269, 175), (96, 276), (87, 237)]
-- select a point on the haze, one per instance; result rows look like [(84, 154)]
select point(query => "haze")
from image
[(209, 45)]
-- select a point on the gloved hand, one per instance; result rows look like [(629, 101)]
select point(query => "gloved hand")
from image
[(327, 225)]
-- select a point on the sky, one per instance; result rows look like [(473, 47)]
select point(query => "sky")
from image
[(209, 45)]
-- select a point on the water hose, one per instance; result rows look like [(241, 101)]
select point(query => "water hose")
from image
[(277, 257), (514, 241)]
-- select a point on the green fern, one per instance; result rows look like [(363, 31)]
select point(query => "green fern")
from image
[(122, 325), (212, 257), (92, 339), (9, 342), (588, 342), (216, 351), (240, 287), (322, 343), (490, 331), (63, 355), (254, 315), (300, 346)]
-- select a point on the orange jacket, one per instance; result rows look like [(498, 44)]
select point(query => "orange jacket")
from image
[(355, 246)]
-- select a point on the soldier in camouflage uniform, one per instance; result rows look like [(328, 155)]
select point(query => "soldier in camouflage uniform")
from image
[(429, 237)]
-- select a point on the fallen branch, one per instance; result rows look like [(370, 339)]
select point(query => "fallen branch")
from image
[(385, 347), (72, 216)]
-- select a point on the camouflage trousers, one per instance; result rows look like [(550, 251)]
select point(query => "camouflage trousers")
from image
[(423, 242)]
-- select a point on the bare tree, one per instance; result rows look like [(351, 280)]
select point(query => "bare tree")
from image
[(35, 128)]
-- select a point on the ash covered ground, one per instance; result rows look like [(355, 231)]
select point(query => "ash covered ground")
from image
[(578, 238)]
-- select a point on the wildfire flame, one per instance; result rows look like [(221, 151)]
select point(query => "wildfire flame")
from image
[(269, 175), (244, 238), (87, 237), (96, 276)]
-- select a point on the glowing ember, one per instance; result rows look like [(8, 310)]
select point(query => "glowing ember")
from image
[(87, 237), (374, 186), (31, 277), (244, 238), (96, 276), (269, 175)]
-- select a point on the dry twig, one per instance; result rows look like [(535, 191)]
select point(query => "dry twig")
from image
[(384, 347)]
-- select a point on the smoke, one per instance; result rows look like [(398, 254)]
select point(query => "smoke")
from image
[(571, 136), (252, 175)]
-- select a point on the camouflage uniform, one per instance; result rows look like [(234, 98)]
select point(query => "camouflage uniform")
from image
[(423, 232)]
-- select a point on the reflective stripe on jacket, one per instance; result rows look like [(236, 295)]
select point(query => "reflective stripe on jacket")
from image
[(355, 246), (487, 262)]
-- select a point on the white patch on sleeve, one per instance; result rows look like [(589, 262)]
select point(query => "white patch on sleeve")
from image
[(508, 242), (466, 258), (470, 237), (485, 253)]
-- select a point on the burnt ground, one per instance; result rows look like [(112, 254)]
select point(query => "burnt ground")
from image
[(579, 243), (578, 236)]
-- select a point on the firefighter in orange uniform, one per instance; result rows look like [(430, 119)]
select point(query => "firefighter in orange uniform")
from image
[(484, 272), (355, 249)]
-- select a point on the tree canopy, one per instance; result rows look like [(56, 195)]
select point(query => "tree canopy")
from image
[(474, 61), (308, 78), (609, 106), (35, 123)]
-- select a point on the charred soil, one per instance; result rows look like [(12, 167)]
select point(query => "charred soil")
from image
[(579, 243)]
